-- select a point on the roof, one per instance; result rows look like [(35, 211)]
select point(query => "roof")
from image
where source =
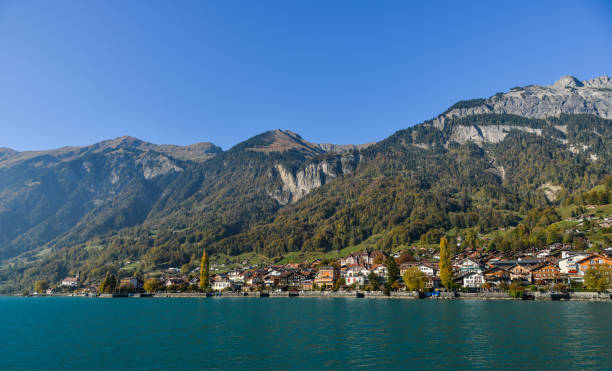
[(591, 256)]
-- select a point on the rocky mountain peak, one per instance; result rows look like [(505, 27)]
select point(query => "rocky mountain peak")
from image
[(566, 96), (6, 153), (601, 82), (568, 81)]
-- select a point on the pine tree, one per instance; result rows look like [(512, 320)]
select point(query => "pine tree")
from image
[(446, 269), (204, 271)]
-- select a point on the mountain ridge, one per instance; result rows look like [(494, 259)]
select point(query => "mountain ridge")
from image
[(277, 192)]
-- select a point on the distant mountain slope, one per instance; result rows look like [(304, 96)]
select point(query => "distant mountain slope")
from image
[(482, 164), (69, 195), (110, 185), (566, 96)]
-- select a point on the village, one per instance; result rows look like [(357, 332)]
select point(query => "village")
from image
[(556, 268)]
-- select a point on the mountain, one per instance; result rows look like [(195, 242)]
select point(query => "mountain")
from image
[(60, 197), (566, 96), (481, 164)]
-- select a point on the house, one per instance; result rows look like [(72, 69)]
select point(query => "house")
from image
[(379, 270), (469, 265), (507, 264), (545, 272), (70, 281), (349, 260), (253, 279), (429, 268), (131, 283), (307, 285), (172, 281), (236, 276), (357, 274), (327, 276), (268, 280), (496, 275), (221, 282), (471, 279), (591, 261), (567, 263), (290, 279), (520, 272)]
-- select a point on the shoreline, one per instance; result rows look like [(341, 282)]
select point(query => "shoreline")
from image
[(537, 296)]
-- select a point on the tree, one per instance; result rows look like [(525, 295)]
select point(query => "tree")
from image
[(446, 269), (108, 284), (152, 285), (598, 278), (373, 278), (185, 268), (414, 279), (40, 286), (339, 283), (516, 289), (392, 271), (204, 271)]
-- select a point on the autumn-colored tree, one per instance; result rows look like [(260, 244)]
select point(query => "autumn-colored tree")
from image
[(41, 286), (446, 269), (204, 271), (152, 285), (598, 278), (414, 279)]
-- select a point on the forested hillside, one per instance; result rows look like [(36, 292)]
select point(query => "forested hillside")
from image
[(149, 208)]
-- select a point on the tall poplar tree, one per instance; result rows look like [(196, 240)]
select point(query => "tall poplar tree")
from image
[(446, 269), (204, 271)]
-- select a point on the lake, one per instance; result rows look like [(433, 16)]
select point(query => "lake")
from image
[(301, 333)]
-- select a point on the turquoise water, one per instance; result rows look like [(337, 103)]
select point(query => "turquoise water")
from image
[(197, 334)]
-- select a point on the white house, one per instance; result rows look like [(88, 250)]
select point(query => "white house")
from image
[(236, 276), (379, 270), (430, 269), (568, 264), (473, 279), (221, 282), (70, 281), (356, 275)]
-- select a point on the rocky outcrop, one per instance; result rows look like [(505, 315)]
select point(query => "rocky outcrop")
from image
[(154, 165), (298, 184), (486, 134), (342, 148), (568, 95)]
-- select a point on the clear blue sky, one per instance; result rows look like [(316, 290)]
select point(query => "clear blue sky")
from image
[(77, 72)]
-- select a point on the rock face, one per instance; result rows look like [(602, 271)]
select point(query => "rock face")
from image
[(568, 95), (486, 134), (296, 185)]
